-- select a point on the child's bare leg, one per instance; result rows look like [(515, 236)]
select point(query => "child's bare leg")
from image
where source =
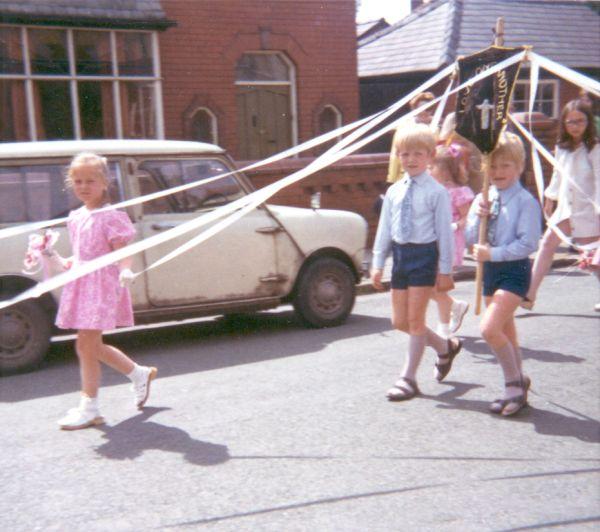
[(140, 376), (400, 309), (418, 297), (116, 359), (402, 313), (444, 304), (510, 330), (543, 258), (500, 310), (88, 346)]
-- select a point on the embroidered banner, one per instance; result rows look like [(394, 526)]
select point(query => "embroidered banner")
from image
[(481, 107)]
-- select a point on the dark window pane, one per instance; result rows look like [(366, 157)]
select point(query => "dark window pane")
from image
[(328, 121), (261, 67), (11, 56), (160, 175), (53, 114), (92, 53), (48, 51), (12, 193), (135, 54), (167, 174), (38, 192), (214, 193), (96, 111), (202, 127), (138, 110), (13, 115)]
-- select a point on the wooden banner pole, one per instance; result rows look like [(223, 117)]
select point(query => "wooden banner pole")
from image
[(487, 159)]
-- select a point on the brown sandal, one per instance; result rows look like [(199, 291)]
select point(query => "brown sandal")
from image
[(443, 368), (401, 392), (499, 405)]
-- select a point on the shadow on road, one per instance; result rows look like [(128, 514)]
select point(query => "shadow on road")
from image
[(191, 347), (130, 438), (481, 351), (545, 422)]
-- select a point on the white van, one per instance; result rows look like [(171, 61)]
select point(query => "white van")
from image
[(273, 255)]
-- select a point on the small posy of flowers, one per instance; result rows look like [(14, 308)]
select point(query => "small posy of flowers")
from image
[(40, 245)]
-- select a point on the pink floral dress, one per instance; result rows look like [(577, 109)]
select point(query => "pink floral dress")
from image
[(459, 196), (96, 301)]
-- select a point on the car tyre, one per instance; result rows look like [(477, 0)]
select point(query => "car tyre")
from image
[(25, 331), (325, 293)]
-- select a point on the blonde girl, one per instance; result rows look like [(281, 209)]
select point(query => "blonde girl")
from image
[(98, 301)]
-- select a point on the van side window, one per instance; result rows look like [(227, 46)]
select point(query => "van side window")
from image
[(38, 192), (161, 175)]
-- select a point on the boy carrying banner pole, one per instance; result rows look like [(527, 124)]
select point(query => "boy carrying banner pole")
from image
[(481, 111)]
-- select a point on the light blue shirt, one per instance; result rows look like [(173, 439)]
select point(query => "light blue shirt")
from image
[(431, 219), (518, 224)]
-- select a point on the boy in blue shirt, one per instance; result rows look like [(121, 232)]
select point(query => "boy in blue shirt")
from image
[(415, 224), (513, 234)]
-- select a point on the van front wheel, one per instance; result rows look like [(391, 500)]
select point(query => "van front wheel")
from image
[(325, 293), (25, 331)]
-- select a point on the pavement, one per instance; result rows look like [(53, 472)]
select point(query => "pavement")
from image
[(562, 258)]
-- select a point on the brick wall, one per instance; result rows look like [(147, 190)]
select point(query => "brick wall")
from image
[(199, 55)]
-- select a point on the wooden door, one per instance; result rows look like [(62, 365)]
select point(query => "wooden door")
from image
[(264, 120)]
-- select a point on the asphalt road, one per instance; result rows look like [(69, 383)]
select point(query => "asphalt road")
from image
[(261, 425)]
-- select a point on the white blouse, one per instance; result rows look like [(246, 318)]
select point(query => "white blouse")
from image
[(578, 191)]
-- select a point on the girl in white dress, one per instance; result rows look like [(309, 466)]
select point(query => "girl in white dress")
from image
[(575, 194)]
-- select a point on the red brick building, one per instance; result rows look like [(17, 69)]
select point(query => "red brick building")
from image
[(255, 76)]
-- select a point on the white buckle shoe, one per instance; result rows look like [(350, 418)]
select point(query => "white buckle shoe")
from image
[(82, 417), (141, 387), (457, 314)]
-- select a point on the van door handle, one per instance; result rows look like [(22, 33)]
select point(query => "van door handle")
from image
[(161, 226)]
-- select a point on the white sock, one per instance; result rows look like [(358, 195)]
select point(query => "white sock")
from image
[(507, 360), (136, 373), (437, 342), (416, 348), (88, 403), (443, 330)]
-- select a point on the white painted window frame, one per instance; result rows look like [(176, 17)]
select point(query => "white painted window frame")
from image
[(73, 78), (555, 83)]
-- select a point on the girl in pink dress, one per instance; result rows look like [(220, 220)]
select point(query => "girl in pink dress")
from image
[(449, 171), (100, 300)]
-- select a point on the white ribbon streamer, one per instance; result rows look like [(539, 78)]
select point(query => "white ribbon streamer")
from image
[(254, 198), (318, 165), (564, 72), (35, 226), (437, 117)]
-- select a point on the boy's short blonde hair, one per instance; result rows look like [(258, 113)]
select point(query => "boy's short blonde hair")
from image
[(91, 160), (510, 146), (414, 136)]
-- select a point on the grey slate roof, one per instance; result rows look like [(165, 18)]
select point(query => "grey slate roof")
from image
[(123, 13), (437, 33), (364, 29)]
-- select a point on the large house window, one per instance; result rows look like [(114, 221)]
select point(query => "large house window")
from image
[(58, 83), (266, 101), (546, 99)]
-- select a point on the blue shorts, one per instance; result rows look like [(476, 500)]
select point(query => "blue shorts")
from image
[(511, 275), (414, 265)]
